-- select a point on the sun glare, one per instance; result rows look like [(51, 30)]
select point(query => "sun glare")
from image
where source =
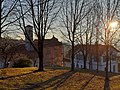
[(114, 25)]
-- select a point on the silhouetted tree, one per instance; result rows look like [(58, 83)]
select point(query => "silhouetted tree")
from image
[(108, 11), (6, 14), (40, 14), (8, 48), (72, 13)]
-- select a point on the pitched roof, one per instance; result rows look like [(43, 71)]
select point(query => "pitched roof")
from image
[(21, 48), (91, 49), (50, 42), (101, 48)]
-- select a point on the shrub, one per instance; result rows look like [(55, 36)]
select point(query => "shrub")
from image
[(23, 62)]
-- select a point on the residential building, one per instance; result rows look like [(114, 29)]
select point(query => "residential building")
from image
[(52, 51), (89, 53)]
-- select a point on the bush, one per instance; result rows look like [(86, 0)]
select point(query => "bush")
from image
[(23, 62)]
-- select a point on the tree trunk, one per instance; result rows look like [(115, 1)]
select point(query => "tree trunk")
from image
[(90, 62), (110, 63), (85, 58), (97, 57), (40, 55), (0, 18), (34, 63), (72, 57), (5, 64), (106, 85)]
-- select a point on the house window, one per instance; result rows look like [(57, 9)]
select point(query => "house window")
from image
[(81, 66), (113, 58), (113, 68), (94, 58), (104, 58), (79, 57), (77, 65)]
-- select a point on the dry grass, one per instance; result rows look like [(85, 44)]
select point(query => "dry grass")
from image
[(13, 78), (60, 79)]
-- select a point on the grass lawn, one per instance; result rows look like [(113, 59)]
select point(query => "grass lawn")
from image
[(54, 79)]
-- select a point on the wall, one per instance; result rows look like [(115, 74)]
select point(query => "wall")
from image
[(53, 56), (102, 65)]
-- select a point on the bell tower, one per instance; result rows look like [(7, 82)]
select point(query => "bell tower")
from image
[(28, 38)]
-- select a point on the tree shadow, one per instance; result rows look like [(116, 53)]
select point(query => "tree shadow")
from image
[(83, 87), (94, 72), (57, 81), (106, 84), (102, 75), (3, 78), (53, 82), (57, 67)]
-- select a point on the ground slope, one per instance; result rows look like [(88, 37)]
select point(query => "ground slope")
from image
[(54, 79)]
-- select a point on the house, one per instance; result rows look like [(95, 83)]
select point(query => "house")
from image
[(52, 51), (90, 53), (66, 48)]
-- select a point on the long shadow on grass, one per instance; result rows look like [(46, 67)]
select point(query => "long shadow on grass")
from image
[(3, 78), (53, 82), (94, 72), (83, 87)]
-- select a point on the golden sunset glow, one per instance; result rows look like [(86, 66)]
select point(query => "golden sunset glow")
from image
[(114, 25)]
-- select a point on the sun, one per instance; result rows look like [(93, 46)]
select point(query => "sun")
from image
[(114, 25)]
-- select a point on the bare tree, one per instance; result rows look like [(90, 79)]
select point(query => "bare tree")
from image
[(6, 14), (8, 48), (107, 13), (73, 12), (40, 14), (96, 24), (85, 38)]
